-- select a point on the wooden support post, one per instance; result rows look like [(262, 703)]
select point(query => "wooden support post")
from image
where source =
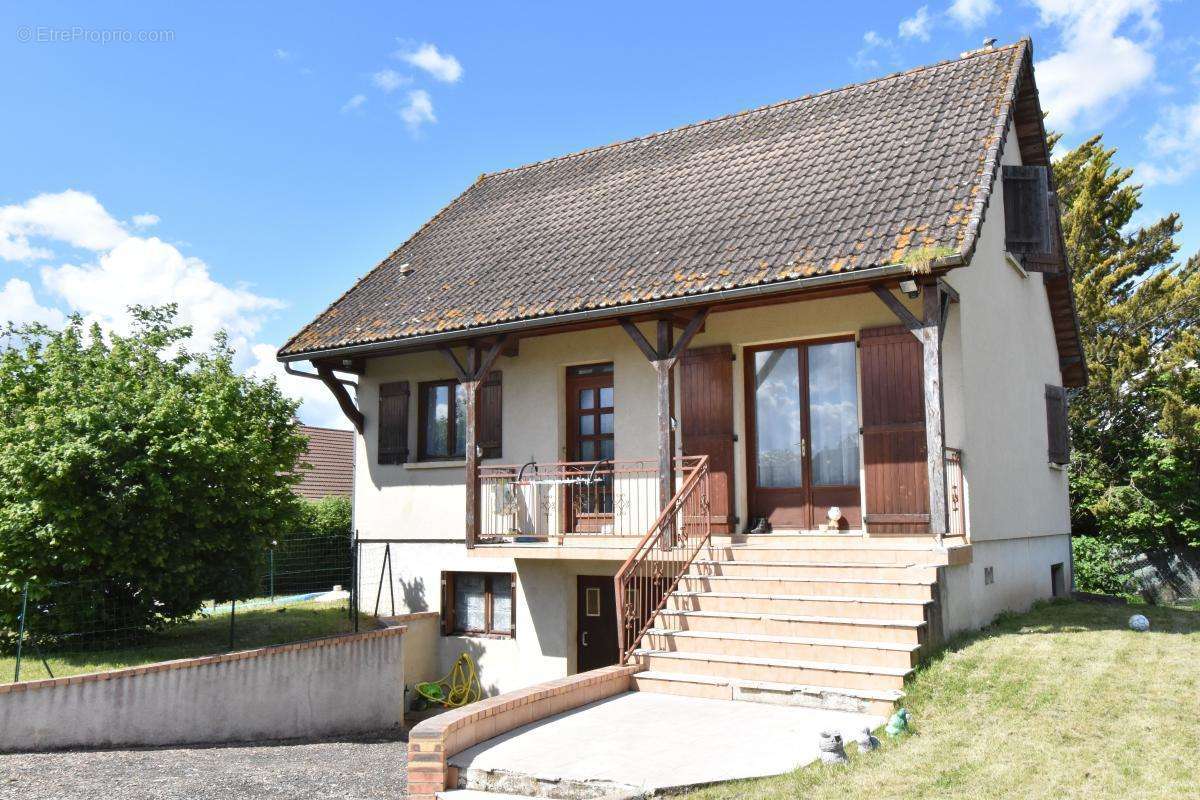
[(666, 406), (472, 377), (663, 357), (935, 422), (471, 390)]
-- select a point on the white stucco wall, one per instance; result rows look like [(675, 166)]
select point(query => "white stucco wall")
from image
[(1004, 355)]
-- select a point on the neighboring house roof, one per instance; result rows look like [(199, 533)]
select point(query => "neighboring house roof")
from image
[(331, 456), (863, 176)]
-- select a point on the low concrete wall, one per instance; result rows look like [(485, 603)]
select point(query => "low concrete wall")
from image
[(432, 741), (421, 645), (323, 687)]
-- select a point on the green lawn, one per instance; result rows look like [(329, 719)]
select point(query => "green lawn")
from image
[(1063, 702), (204, 636)]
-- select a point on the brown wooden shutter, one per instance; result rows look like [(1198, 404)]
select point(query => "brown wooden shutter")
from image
[(1058, 433), (491, 416), (393, 423), (447, 603), (1053, 261), (1026, 210), (894, 447), (706, 423)]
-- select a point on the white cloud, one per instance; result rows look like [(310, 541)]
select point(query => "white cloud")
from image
[(1174, 144), (19, 306), (443, 67), (418, 110), (389, 80), (135, 270), (282, 55), (1099, 66), (872, 46), (72, 217), (354, 103), (145, 220), (971, 13), (317, 404), (917, 26), (151, 272)]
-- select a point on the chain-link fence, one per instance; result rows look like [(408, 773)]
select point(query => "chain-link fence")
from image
[(303, 589)]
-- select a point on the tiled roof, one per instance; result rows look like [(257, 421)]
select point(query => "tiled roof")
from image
[(843, 180), (331, 456)]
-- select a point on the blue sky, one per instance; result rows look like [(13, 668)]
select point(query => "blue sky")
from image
[(251, 160)]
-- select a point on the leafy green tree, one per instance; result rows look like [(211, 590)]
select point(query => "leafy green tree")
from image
[(154, 474), (1135, 472)]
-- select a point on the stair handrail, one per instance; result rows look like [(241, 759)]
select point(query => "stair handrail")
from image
[(661, 558)]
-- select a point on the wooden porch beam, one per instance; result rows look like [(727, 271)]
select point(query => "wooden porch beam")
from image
[(459, 371), (694, 326), (472, 376), (342, 396), (899, 309), (934, 303), (634, 333)]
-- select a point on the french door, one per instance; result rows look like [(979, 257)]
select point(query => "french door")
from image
[(591, 416), (802, 421)]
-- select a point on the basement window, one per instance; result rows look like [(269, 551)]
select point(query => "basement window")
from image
[(478, 604)]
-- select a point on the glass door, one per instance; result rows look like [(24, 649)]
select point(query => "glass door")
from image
[(802, 414)]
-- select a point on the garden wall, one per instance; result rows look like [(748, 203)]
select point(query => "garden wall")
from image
[(324, 687)]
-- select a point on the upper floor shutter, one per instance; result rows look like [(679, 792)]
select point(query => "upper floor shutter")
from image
[(491, 416), (393, 423), (1058, 434), (1026, 210), (893, 436)]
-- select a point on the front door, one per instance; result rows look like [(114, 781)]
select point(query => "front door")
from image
[(590, 419), (706, 424), (802, 420), (597, 610)]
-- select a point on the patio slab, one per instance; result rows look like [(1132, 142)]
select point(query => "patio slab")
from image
[(643, 742)]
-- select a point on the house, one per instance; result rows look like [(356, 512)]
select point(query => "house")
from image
[(329, 460), (789, 384)]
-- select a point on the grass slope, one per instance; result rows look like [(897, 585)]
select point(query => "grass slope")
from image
[(204, 636), (1062, 702)]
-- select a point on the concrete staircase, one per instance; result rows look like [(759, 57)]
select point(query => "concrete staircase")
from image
[(825, 621)]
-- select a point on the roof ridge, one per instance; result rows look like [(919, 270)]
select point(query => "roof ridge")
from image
[(757, 110)]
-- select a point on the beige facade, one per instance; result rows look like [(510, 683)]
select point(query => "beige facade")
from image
[(999, 351)]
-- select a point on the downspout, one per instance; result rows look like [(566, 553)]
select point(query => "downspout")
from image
[(290, 370)]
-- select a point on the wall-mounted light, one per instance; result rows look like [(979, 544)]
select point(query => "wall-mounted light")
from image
[(910, 289)]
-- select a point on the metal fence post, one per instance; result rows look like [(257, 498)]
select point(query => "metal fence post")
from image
[(21, 631), (354, 569), (271, 569), (232, 620)]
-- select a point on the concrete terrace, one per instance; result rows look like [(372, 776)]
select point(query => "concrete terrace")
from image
[(665, 742)]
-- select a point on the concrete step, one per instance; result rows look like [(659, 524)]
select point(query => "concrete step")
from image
[(816, 605), (777, 585), (475, 794), (881, 703), (824, 554), (774, 670), (814, 626), (796, 648), (808, 570)]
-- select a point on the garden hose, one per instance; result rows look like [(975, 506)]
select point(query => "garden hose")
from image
[(459, 687)]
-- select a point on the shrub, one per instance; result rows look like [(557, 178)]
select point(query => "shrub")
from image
[(1101, 566)]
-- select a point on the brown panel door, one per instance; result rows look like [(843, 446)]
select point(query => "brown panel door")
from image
[(803, 443), (591, 416), (706, 423), (894, 448), (597, 610)]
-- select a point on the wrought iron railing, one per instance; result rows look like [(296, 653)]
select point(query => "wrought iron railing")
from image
[(660, 559), (955, 497), (547, 501)]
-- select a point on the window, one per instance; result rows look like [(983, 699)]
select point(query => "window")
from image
[(442, 419), (1057, 433), (478, 603)]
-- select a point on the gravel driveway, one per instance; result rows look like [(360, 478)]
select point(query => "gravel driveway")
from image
[(355, 769)]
